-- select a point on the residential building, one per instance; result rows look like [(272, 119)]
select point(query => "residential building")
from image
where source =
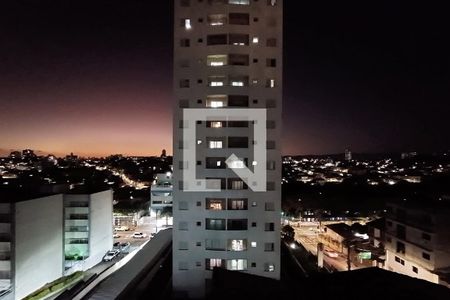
[(418, 240), (227, 55), (161, 193), (43, 238)]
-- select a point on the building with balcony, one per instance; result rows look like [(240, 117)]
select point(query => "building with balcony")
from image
[(227, 56), (418, 239), (161, 193), (45, 237)]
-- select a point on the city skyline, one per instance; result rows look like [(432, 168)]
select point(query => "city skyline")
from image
[(101, 84)]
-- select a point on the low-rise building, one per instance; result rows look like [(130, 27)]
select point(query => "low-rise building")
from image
[(418, 239), (161, 192)]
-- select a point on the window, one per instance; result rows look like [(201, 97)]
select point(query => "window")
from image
[(269, 247), (254, 204), (217, 19), (270, 186), (272, 42), (183, 226), (255, 40), (185, 43), (237, 142), (270, 145), (271, 165), (184, 83), (237, 245), (183, 205), (269, 226), (270, 124), (271, 62), (271, 2), (184, 103), (215, 124), (215, 144), (215, 224), (271, 103), (239, 2), (199, 223), (401, 247), (426, 256), (415, 270), (199, 203), (253, 244), (239, 19), (237, 224), (399, 260), (401, 232), (186, 23), (253, 265), (215, 163), (238, 60), (237, 264), (183, 246), (239, 39), (269, 206), (182, 266), (216, 81), (270, 83), (237, 101), (236, 184), (253, 224), (216, 101), (216, 39), (215, 245), (237, 204), (211, 263), (236, 164), (426, 236), (237, 124), (238, 81), (217, 60), (269, 267), (215, 204)]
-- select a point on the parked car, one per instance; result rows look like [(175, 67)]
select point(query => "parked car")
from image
[(116, 245), (125, 247), (122, 228), (110, 255), (138, 235), (116, 235), (331, 253)]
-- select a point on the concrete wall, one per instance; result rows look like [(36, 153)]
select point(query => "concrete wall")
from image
[(407, 267), (38, 243), (101, 228)]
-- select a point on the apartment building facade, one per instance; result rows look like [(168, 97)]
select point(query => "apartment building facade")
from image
[(161, 193), (43, 238), (418, 240), (227, 55)]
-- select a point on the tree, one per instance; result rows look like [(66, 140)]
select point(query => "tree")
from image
[(166, 212), (288, 232)]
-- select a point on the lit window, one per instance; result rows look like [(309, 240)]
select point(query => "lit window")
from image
[(269, 267), (215, 144), (239, 2), (237, 264), (215, 204), (216, 60), (237, 83), (237, 245), (255, 40), (216, 101), (186, 23), (271, 83), (216, 124), (271, 2), (217, 20), (216, 83), (236, 164), (253, 244)]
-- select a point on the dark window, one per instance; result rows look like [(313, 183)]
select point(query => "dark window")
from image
[(272, 42), (237, 142), (239, 19), (215, 224), (401, 232), (415, 270), (238, 124), (185, 43), (217, 39), (401, 247), (269, 226), (238, 59), (215, 163), (426, 256), (426, 236), (237, 204), (271, 62), (237, 224), (199, 223), (237, 101), (253, 224), (239, 39)]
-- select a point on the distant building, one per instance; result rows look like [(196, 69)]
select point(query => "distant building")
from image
[(15, 155), (418, 239), (163, 153), (348, 155), (45, 238), (161, 193)]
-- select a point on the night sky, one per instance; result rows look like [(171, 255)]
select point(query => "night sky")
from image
[(95, 77)]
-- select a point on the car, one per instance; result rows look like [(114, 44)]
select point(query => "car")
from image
[(116, 235), (116, 245), (122, 228), (138, 235), (110, 255), (125, 247), (331, 253)]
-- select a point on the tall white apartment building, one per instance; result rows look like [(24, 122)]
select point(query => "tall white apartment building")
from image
[(418, 239), (227, 55)]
